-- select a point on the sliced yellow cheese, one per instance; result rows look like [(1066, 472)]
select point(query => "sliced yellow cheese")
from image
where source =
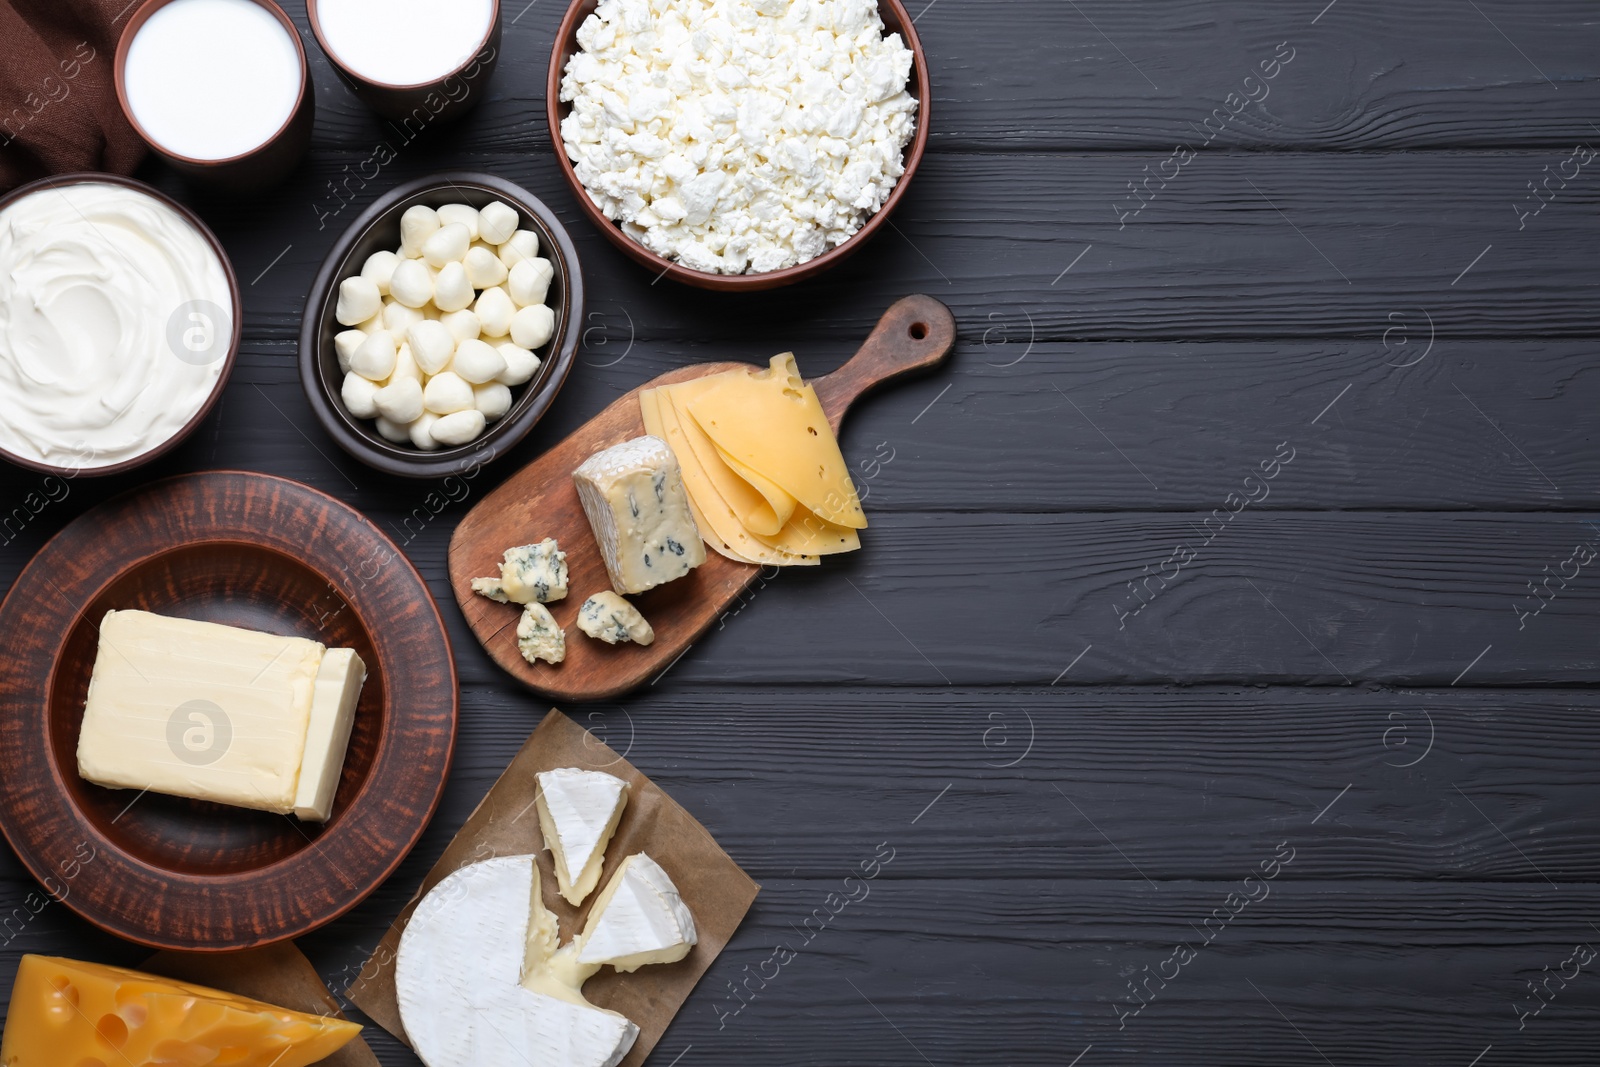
[(70, 1014), (719, 523), (762, 505), (773, 423)]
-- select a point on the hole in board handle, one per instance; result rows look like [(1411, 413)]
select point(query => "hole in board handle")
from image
[(918, 330)]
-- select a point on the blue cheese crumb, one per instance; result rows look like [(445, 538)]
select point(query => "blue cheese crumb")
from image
[(534, 574), (491, 588), (539, 637), (609, 618)]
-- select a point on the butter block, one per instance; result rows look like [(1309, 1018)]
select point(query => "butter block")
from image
[(69, 1014), (197, 709), (333, 714)]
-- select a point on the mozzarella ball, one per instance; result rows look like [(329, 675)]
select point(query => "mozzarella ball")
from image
[(357, 394), (359, 300), (494, 310), (380, 268), (448, 245), (497, 222), (491, 398), (392, 431), (521, 364), (451, 290), (446, 393), (417, 225), (374, 360), (372, 325), (411, 283), (532, 326), (397, 318), (460, 215), (524, 244), (459, 427), (529, 281), (432, 345), (463, 324), (345, 342), (400, 401), (420, 435), (476, 362), (405, 366), (484, 268)]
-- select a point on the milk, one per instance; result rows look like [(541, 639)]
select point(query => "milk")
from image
[(404, 42), (212, 79)]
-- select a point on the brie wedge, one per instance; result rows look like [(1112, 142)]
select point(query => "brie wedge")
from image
[(578, 812), (639, 918), (459, 978)]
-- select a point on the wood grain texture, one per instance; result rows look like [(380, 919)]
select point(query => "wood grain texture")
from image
[(243, 550), (541, 501)]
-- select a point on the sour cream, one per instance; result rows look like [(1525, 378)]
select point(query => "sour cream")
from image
[(404, 42), (115, 324)]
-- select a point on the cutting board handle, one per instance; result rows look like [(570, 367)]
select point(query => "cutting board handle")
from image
[(916, 333)]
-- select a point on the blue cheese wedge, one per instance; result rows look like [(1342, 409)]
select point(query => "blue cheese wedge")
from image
[(634, 497), (539, 637), (534, 574), (607, 617)]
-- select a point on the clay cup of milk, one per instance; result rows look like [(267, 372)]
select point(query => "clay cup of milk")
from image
[(218, 88), (418, 63)]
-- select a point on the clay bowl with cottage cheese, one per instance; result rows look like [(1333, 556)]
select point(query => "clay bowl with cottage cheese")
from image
[(895, 20)]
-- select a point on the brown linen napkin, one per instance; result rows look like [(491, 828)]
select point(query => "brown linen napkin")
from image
[(58, 99)]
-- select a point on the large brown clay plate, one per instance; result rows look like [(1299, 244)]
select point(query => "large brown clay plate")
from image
[(247, 550)]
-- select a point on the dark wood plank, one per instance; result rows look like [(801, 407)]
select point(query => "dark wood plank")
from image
[(1240, 246), (1365, 75)]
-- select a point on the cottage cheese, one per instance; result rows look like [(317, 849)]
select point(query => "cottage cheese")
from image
[(738, 135)]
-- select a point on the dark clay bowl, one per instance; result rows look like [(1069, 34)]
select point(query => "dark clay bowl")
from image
[(895, 20), (262, 166), (378, 228), (424, 103), (235, 311)]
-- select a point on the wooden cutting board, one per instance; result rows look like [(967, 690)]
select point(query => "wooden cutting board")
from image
[(540, 501)]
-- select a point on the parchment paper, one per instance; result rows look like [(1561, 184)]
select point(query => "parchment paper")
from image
[(277, 974), (506, 823)]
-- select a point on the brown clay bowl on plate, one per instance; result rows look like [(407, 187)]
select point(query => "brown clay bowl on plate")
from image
[(421, 104), (378, 228), (895, 20), (246, 550), (262, 166), (231, 329)]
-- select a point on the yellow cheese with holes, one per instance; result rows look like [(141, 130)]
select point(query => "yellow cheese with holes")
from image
[(69, 1014), (772, 422)]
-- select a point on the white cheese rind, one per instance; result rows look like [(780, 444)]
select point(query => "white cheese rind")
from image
[(334, 697), (639, 919), (578, 812), (607, 617), (634, 497), (198, 709), (458, 978)]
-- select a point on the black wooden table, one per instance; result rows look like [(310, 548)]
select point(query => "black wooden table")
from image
[(1216, 684)]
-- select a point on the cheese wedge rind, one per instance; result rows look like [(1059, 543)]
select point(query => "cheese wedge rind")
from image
[(639, 919), (578, 812)]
